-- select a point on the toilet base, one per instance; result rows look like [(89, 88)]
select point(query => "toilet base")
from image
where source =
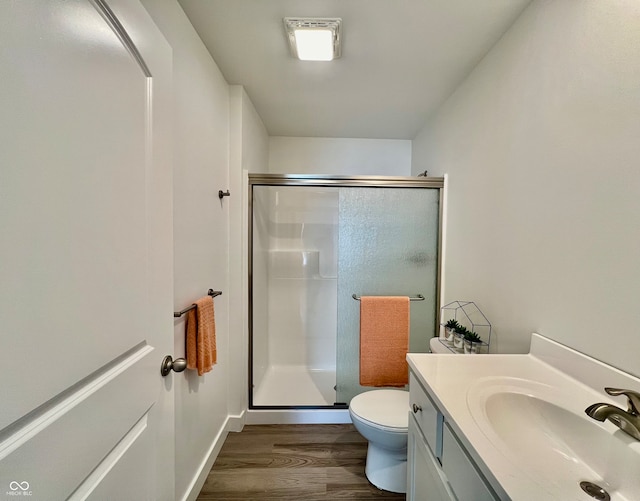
[(386, 469)]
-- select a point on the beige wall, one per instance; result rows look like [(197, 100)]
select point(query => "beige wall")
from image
[(541, 147)]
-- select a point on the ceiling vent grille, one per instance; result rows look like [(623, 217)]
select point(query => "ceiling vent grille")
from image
[(324, 35)]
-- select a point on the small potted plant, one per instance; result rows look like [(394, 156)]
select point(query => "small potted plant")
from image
[(449, 329), (458, 336), (472, 343)]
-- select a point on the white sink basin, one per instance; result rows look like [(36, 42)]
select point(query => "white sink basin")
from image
[(546, 433)]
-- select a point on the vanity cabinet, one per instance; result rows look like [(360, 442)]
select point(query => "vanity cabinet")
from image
[(438, 468), (425, 481)]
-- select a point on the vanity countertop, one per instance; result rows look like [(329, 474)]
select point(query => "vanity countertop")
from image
[(521, 419)]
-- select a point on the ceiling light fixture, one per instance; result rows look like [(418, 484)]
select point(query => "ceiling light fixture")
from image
[(314, 39)]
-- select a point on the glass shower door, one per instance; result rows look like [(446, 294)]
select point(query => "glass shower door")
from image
[(387, 246)]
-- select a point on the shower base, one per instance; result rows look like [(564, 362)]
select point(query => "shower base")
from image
[(295, 385)]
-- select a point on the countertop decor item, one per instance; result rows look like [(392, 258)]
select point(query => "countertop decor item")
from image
[(449, 329), (472, 343), (459, 334), (464, 317)]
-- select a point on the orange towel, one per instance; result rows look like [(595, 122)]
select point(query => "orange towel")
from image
[(384, 340), (201, 336)]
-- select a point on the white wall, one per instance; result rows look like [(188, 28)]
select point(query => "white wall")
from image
[(339, 156), (201, 243), (541, 147), (249, 151), (255, 140)]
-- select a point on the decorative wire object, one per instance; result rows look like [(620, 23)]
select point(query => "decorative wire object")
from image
[(468, 314)]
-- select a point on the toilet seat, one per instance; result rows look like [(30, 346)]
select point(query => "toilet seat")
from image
[(386, 410)]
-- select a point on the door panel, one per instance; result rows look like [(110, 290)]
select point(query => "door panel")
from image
[(75, 188), (126, 473), (85, 255), (89, 412)]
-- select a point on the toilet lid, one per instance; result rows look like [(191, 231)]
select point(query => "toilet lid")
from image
[(388, 408)]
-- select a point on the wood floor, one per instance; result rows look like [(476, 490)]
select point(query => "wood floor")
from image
[(292, 462)]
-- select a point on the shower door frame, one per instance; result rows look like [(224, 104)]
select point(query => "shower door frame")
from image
[(318, 180)]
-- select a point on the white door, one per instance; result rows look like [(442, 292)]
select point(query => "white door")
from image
[(85, 252)]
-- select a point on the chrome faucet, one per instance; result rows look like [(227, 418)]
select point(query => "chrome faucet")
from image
[(628, 421)]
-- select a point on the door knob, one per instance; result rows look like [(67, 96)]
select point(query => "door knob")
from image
[(168, 363), (416, 408)]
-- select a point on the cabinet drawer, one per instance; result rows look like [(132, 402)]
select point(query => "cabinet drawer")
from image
[(427, 416), (464, 478)]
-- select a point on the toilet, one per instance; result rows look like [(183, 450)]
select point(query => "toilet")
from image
[(382, 417)]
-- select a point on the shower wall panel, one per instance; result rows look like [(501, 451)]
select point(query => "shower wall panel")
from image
[(260, 286), (302, 277), (294, 290)]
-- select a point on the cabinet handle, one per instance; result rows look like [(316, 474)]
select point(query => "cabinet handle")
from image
[(416, 408)]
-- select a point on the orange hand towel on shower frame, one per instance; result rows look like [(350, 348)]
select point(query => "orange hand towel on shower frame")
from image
[(384, 340)]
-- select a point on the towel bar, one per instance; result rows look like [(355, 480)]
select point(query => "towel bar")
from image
[(211, 293), (418, 297)]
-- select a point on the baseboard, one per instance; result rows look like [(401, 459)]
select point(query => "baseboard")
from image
[(236, 423), (231, 424), (298, 416)]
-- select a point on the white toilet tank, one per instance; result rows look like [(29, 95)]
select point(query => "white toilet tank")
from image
[(436, 346)]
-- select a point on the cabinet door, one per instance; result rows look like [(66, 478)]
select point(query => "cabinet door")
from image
[(429, 419), (464, 478), (424, 482)]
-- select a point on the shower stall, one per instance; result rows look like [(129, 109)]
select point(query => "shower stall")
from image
[(315, 243)]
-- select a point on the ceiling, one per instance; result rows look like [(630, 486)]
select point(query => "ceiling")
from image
[(400, 60)]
